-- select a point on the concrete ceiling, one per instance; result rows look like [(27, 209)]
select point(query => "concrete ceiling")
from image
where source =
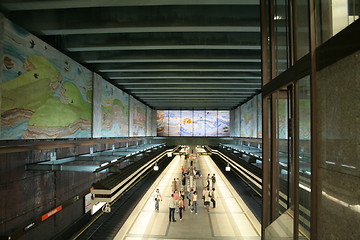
[(169, 54)]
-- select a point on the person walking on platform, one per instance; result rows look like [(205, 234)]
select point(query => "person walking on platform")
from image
[(213, 180), (212, 196), (208, 180), (183, 182), (181, 207), (195, 203), (157, 198), (207, 199), (172, 205)]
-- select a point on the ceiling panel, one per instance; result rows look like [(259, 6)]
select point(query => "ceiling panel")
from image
[(175, 54)]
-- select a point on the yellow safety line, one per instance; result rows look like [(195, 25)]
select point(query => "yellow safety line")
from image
[(302, 233)]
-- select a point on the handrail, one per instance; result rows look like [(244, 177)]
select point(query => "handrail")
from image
[(124, 184), (6, 147)]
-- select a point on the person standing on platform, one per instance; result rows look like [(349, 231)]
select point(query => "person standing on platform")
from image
[(212, 196), (157, 198), (213, 180), (194, 201), (172, 205), (190, 195), (178, 184), (173, 185), (204, 193), (181, 207), (182, 194)]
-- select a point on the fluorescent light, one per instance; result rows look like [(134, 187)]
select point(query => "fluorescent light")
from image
[(104, 164)]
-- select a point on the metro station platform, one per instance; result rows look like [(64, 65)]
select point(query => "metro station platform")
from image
[(231, 219)]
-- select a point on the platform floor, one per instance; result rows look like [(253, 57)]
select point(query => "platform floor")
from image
[(231, 219)]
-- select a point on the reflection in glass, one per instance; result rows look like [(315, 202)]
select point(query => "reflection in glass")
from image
[(304, 155)]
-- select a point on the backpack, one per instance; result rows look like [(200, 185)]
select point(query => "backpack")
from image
[(213, 179)]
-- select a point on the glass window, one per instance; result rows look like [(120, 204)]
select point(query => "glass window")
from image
[(281, 35), (301, 29), (336, 15)]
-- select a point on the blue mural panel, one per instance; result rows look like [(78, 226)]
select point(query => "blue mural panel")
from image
[(187, 123), (199, 123), (223, 124), (174, 123), (211, 119)]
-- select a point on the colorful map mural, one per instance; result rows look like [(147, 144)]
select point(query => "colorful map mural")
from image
[(114, 111), (149, 124), (45, 94), (138, 118), (248, 119), (162, 121)]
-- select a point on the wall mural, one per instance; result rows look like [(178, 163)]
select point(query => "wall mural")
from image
[(187, 123), (211, 121), (138, 118), (237, 122), (248, 120), (162, 122), (193, 123), (174, 123), (223, 124), (199, 123), (114, 111), (149, 118), (45, 94)]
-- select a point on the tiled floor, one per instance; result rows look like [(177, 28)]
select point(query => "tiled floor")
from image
[(231, 219)]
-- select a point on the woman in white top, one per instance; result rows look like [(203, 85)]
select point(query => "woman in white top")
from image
[(195, 203), (157, 198)]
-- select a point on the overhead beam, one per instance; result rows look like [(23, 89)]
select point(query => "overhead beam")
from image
[(148, 41), (187, 82), (148, 67), (18, 5), (168, 56), (194, 91), (181, 75)]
